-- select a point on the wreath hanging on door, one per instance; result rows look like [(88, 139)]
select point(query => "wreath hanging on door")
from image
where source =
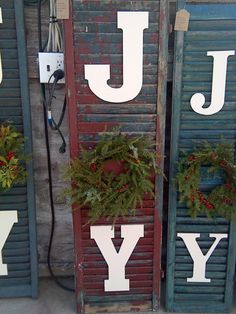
[(218, 160), (12, 170), (113, 178)]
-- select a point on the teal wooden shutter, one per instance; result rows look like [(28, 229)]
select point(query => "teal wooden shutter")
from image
[(19, 252), (212, 28)]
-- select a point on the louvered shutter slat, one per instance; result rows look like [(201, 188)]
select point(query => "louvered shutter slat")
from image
[(19, 251)]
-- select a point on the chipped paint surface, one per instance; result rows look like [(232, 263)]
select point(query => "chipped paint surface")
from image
[(96, 40), (211, 27)]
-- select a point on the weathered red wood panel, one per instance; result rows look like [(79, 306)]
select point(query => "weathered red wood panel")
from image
[(92, 37)]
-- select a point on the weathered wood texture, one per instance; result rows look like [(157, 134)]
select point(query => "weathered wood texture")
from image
[(212, 27), (19, 252), (96, 39), (32, 32), (63, 239), (139, 268)]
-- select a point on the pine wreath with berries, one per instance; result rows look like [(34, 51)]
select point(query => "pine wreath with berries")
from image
[(221, 199), (107, 192), (12, 170)]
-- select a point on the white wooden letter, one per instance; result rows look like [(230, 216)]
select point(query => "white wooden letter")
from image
[(7, 220), (197, 101), (0, 52), (116, 261), (199, 259), (132, 24)]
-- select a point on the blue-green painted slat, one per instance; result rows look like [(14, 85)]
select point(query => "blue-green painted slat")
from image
[(8, 43), (118, 109), (8, 24), (187, 259), (212, 27), (134, 5), (10, 101), (214, 282), (9, 64), (213, 12), (14, 290), (8, 34), (116, 58), (210, 36), (9, 53), (210, 267), (15, 206), (104, 300), (198, 228), (19, 252), (112, 48), (104, 28), (91, 16), (15, 252)]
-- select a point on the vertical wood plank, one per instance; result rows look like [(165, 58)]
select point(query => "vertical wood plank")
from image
[(20, 249), (175, 120), (74, 149), (96, 40), (22, 56), (70, 83), (160, 142), (188, 129)]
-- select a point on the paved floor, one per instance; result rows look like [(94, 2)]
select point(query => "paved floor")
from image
[(52, 300)]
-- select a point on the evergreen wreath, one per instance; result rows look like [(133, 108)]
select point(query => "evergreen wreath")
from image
[(220, 200), (11, 155), (111, 191)]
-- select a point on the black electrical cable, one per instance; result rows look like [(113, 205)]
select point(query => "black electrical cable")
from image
[(62, 114), (58, 75), (59, 283)]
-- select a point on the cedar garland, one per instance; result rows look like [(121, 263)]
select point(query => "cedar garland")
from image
[(218, 160), (105, 191), (12, 170)]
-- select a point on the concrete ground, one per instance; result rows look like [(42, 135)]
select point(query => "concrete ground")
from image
[(52, 300)]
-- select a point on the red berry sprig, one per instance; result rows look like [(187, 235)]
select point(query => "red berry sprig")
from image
[(204, 201), (214, 156), (123, 189), (10, 155), (93, 167), (223, 163), (191, 158)]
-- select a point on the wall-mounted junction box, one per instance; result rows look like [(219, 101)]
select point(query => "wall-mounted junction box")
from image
[(48, 63)]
